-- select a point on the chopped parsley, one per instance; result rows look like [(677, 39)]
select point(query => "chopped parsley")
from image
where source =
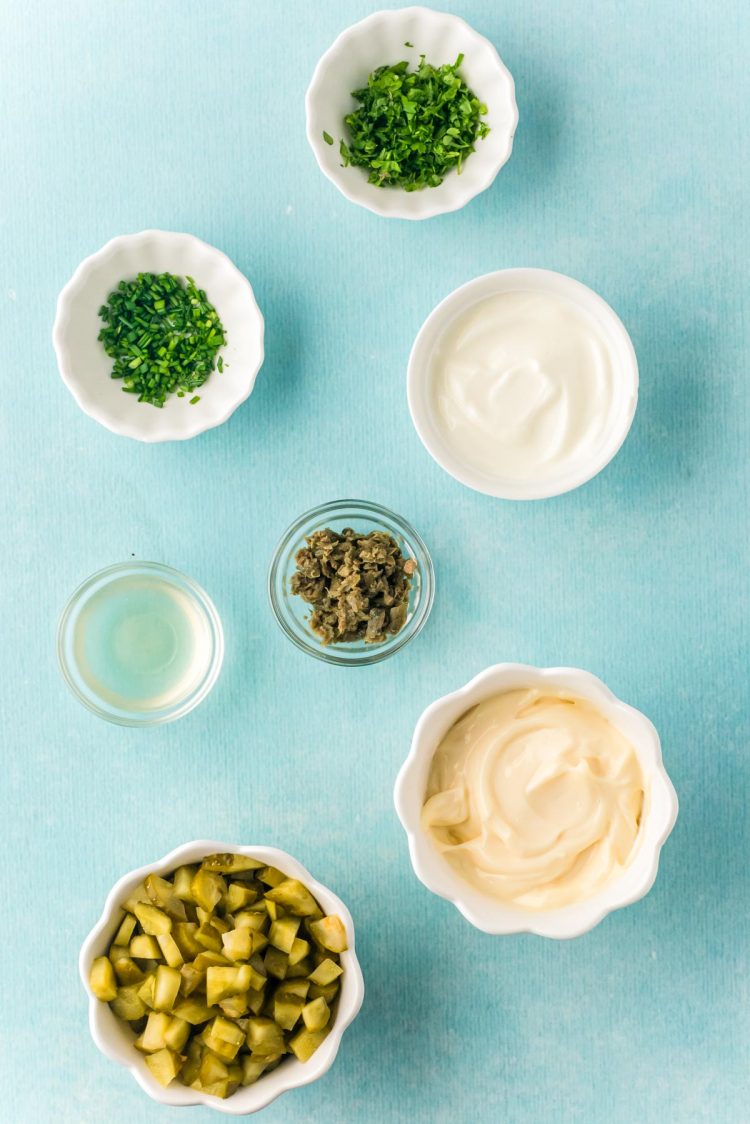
[(412, 127)]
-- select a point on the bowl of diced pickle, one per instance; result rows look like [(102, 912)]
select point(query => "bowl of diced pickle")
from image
[(221, 975)]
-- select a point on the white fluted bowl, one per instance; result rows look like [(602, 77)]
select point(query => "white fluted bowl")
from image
[(85, 367), (483, 911), (115, 1039), (380, 40)]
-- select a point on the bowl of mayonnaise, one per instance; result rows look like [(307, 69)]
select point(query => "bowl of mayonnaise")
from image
[(523, 384), (535, 801)]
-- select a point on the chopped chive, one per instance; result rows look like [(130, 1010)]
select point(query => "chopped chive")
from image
[(163, 335), (327, 137), (194, 399)]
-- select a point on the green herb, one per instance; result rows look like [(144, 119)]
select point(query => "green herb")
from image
[(357, 585), (327, 137), (194, 399), (408, 44), (163, 335), (413, 127)]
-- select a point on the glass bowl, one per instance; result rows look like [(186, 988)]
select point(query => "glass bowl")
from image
[(292, 612), (155, 611)]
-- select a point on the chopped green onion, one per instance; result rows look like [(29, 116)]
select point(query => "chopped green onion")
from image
[(176, 348)]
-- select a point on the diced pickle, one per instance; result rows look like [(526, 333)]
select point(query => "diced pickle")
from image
[(305, 1042), (183, 933), (235, 1006), (146, 990), (102, 979), (283, 933), (209, 937), (193, 1054), (300, 988), (258, 973), (325, 991), (251, 1069), (301, 968), (177, 1033), (162, 895), (137, 895), (212, 1069), (265, 1037), (145, 948), (287, 1010), (153, 921), (230, 864), (126, 930), (271, 876), (276, 963), (128, 1005), (222, 969), (326, 973), (207, 889), (329, 933), (247, 919), (255, 1000), (238, 896), (126, 970), (223, 982), (221, 1089), (153, 1037), (166, 987), (170, 950), (207, 959), (299, 950), (316, 1014), (194, 1012), (238, 943), (183, 878), (294, 897), (191, 978), (165, 1065)]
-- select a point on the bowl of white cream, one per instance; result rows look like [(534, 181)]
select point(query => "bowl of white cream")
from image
[(523, 384), (535, 801)]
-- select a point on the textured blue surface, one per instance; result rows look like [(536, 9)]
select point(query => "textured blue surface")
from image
[(629, 171)]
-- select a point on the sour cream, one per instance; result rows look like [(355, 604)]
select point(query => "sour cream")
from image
[(523, 387), (535, 798)]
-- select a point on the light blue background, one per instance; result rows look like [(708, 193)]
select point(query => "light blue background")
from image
[(628, 172)]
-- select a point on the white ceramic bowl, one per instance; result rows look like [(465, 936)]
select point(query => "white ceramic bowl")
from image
[(660, 807), (521, 280), (115, 1039), (85, 367), (380, 40)]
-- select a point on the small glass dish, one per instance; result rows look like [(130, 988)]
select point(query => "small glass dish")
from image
[(140, 644), (292, 612)]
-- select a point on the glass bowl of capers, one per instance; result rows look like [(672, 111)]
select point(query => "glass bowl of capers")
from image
[(351, 583)]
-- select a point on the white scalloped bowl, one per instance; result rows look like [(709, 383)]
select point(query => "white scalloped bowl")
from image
[(85, 367), (115, 1039), (380, 40), (483, 911)]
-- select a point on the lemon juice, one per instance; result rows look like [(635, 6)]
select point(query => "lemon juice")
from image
[(137, 641)]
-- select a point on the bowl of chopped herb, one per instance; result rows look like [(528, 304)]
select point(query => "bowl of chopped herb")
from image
[(158, 336), (351, 583), (411, 113)]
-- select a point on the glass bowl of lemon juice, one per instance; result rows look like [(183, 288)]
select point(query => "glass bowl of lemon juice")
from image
[(140, 644)]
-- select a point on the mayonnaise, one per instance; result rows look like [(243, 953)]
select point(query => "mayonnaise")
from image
[(523, 386), (535, 798)]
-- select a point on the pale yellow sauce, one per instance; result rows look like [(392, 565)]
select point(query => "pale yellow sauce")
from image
[(535, 798)]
